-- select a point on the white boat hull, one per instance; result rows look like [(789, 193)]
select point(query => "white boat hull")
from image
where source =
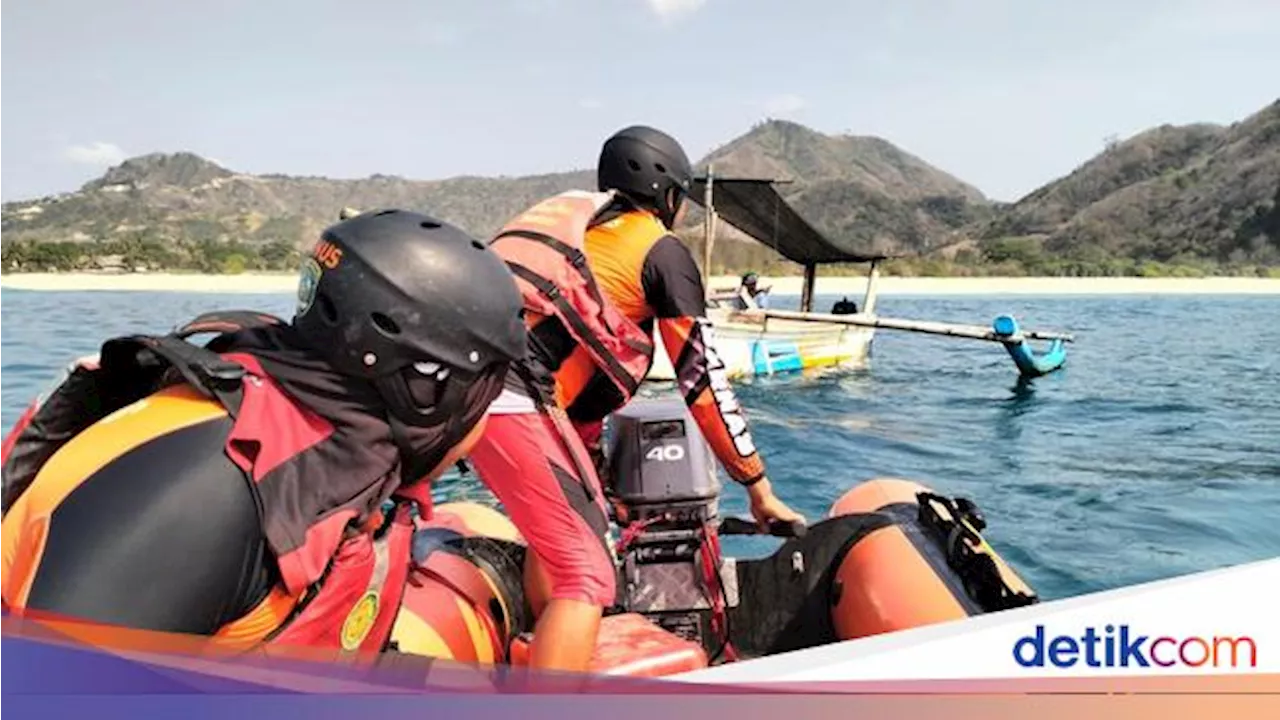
[(753, 349)]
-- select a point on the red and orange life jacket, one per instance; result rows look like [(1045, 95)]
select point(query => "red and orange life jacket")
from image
[(543, 246), (341, 587)]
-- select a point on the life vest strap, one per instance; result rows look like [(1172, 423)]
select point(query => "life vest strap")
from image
[(465, 579), (709, 550), (226, 321), (574, 255), (962, 546), (568, 436), (559, 224), (616, 371), (202, 368), (129, 368), (216, 378)]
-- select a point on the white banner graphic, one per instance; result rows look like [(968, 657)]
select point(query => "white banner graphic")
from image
[(1219, 622)]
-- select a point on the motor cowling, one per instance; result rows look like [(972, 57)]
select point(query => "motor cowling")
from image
[(660, 464)]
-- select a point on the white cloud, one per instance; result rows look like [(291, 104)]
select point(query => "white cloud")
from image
[(101, 154), (783, 105), (590, 104), (670, 10)]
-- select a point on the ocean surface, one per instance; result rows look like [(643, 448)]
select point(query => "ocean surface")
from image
[(1154, 453)]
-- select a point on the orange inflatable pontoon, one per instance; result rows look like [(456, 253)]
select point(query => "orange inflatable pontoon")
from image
[(890, 555)]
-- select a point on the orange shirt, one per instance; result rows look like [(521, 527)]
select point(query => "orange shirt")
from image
[(649, 275)]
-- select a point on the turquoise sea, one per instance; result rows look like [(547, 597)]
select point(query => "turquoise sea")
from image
[(1154, 453)]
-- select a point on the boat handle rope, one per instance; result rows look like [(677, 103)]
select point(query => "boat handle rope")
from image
[(965, 553)]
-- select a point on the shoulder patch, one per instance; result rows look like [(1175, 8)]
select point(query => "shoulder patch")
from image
[(308, 281), (359, 621)]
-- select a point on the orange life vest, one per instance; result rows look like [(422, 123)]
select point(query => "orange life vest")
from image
[(361, 572), (543, 247)]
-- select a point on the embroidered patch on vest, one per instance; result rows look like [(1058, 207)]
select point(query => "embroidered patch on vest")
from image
[(359, 621)]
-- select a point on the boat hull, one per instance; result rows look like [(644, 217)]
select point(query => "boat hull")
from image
[(761, 349)]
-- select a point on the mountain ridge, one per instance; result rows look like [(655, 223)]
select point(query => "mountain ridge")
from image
[(1198, 193)]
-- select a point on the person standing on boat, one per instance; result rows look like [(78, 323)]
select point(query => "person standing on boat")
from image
[(238, 489), (627, 271)]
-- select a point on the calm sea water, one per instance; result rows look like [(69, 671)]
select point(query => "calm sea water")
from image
[(1155, 453)]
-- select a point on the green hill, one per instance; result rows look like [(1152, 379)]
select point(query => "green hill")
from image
[(1195, 196)]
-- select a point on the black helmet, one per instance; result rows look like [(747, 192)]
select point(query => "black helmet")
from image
[(648, 166), (415, 306)]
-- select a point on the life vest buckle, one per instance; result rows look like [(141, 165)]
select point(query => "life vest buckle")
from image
[(225, 375), (971, 513)]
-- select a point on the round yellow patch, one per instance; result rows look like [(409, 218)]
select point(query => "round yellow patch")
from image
[(359, 621)]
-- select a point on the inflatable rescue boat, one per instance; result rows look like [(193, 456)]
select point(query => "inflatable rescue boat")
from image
[(890, 555)]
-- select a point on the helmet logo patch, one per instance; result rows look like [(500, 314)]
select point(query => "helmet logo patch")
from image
[(328, 254), (308, 282)]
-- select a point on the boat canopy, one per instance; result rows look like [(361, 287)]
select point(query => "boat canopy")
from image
[(754, 206)]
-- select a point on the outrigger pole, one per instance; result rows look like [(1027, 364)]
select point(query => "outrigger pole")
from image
[(1004, 330)]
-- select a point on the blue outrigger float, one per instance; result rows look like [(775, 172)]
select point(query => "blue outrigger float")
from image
[(753, 341)]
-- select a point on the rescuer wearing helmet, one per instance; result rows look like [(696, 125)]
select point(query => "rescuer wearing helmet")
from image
[(210, 489), (591, 320)]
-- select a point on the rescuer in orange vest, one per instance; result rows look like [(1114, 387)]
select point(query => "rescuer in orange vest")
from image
[(236, 490), (597, 271)]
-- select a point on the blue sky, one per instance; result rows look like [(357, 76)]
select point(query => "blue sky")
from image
[(1005, 94)]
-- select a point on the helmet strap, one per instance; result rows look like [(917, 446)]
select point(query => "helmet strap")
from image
[(411, 462), (671, 207)]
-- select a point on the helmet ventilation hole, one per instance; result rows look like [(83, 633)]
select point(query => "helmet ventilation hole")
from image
[(477, 244), (328, 312), (660, 167), (429, 225), (385, 325), (635, 166)]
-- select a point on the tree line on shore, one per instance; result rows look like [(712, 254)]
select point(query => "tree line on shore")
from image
[(149, 255), (1000, 257)]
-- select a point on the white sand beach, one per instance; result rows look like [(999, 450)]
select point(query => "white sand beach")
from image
[(852, 286)]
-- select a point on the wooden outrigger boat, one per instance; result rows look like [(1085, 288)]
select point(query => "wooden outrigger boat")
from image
[(752, 341)]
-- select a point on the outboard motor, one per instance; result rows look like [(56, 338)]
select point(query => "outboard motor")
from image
[(666, 493)]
